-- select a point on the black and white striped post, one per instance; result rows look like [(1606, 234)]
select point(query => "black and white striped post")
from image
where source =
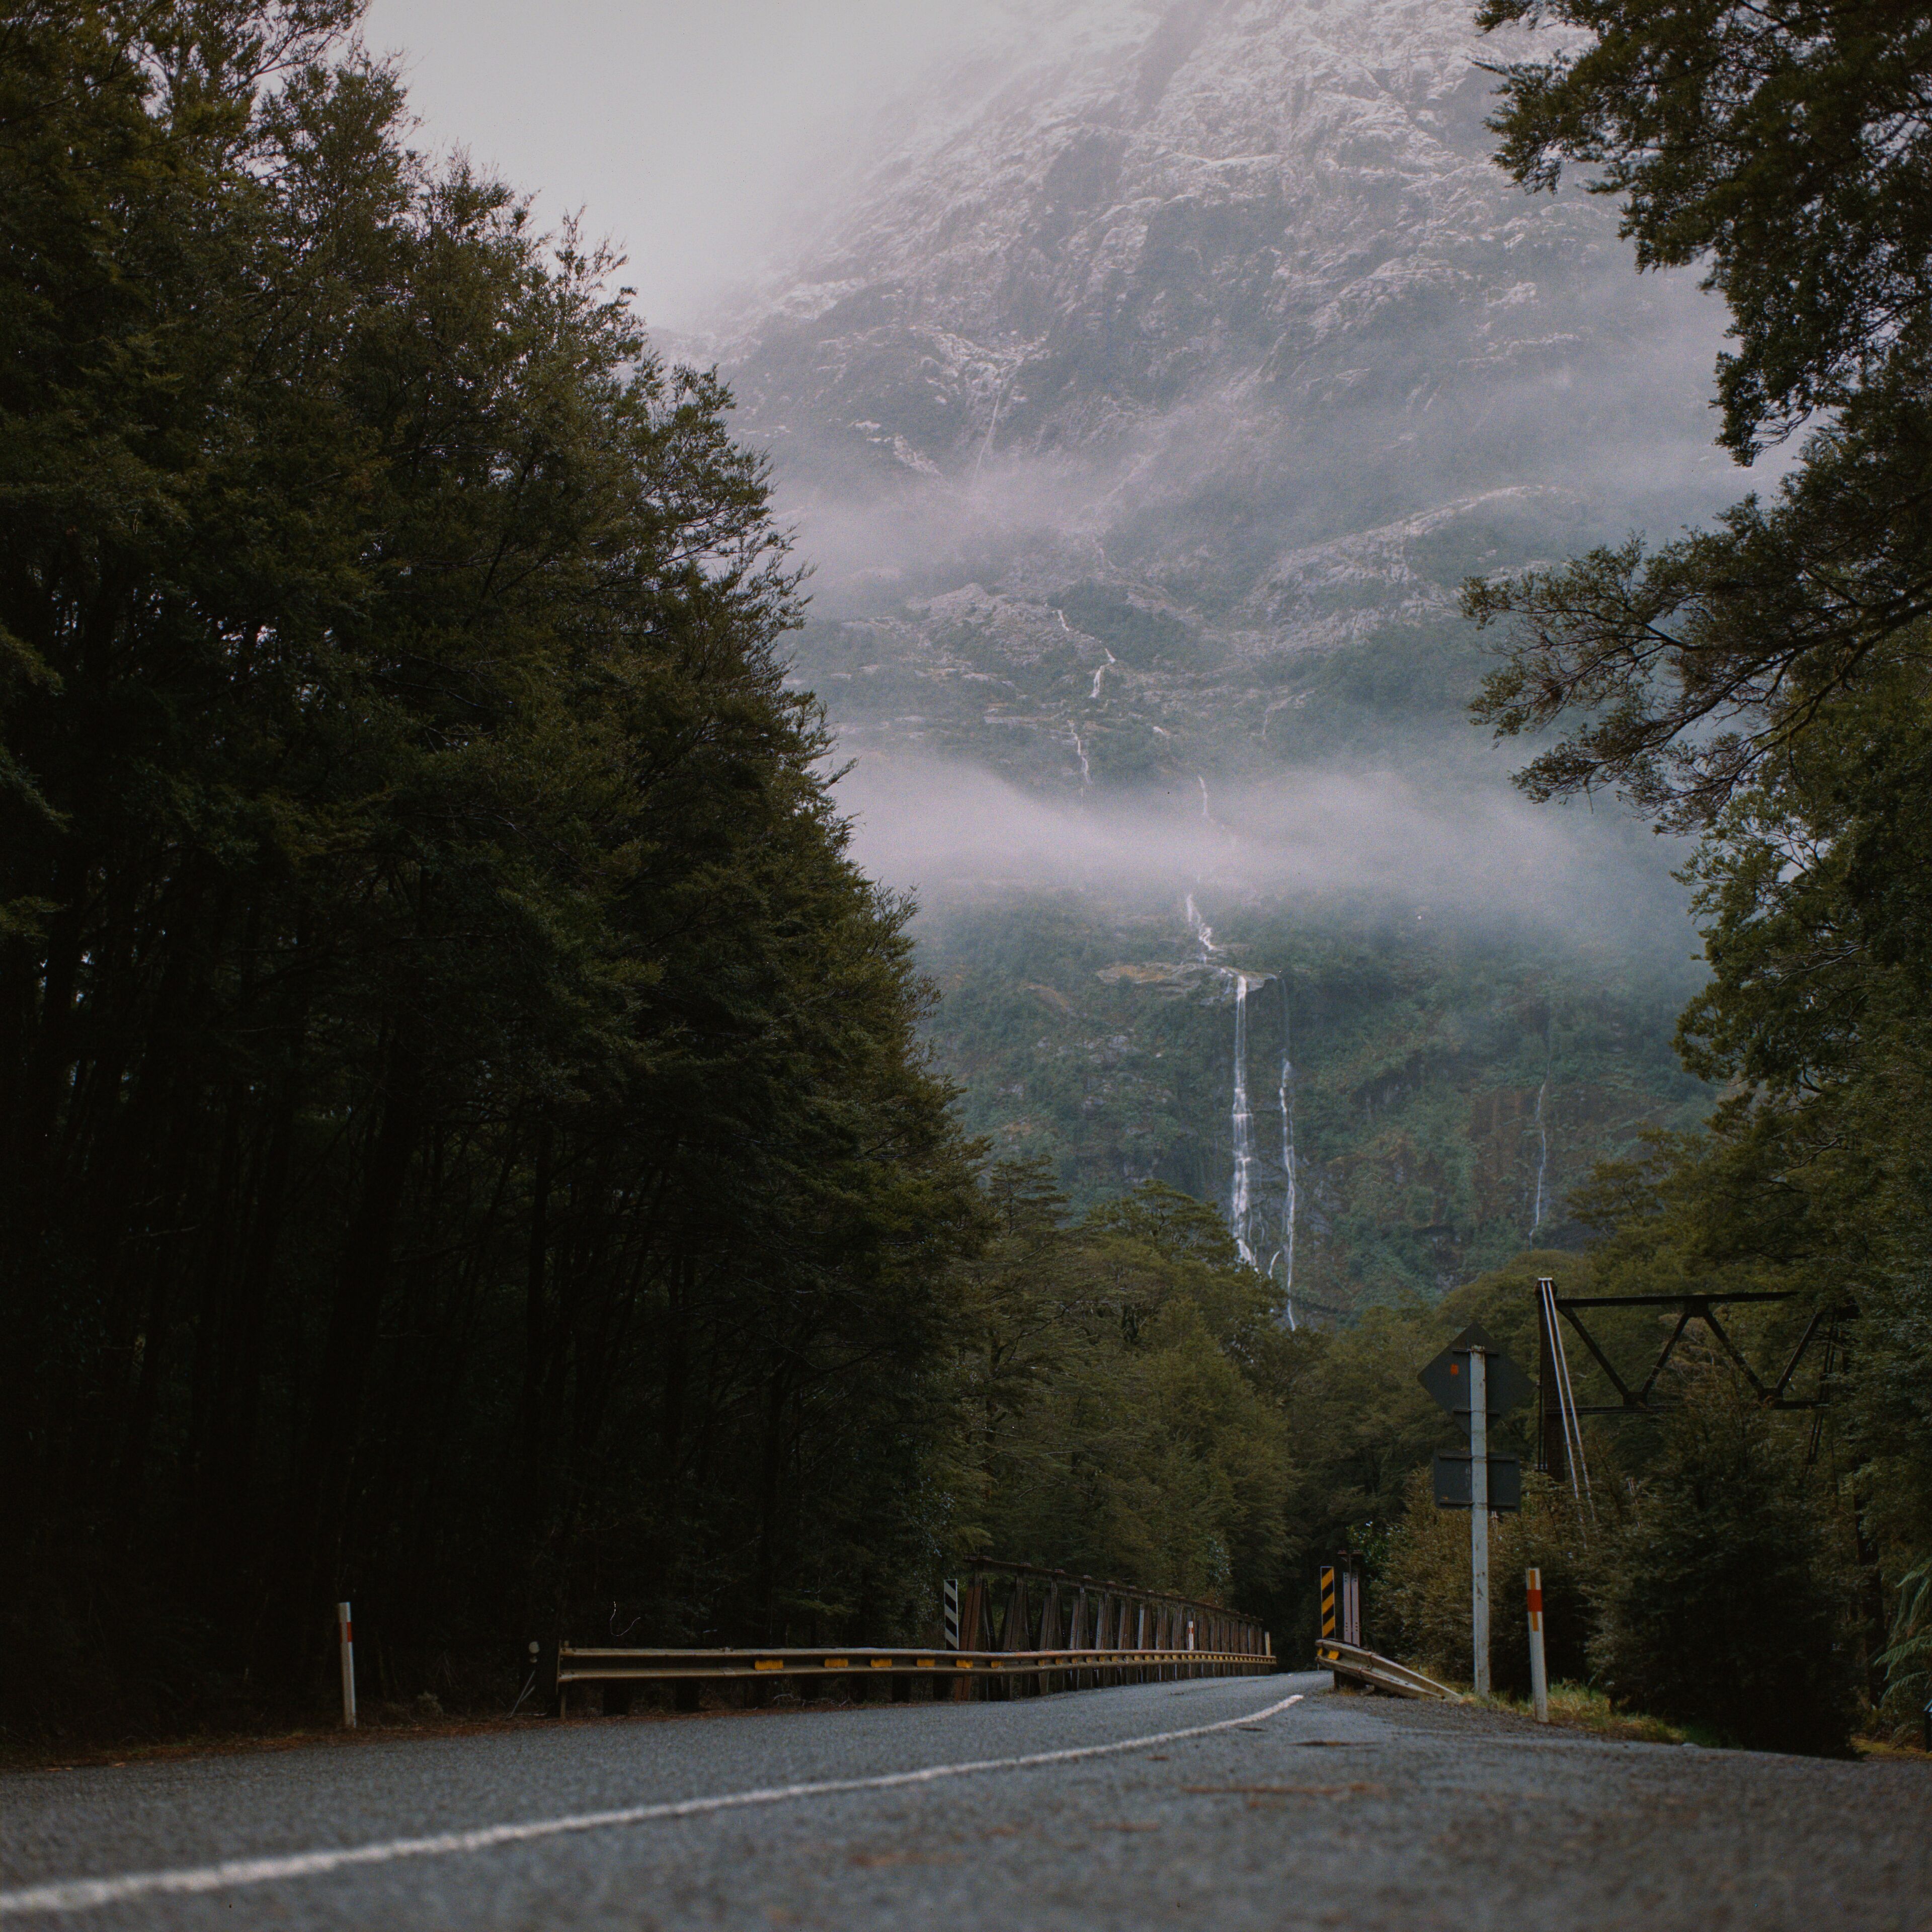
[(346, 1637), (950, 1590)]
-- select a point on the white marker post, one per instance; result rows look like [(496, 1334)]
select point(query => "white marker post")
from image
[(1539, 1676), (1479, 1517), (346, 1634)]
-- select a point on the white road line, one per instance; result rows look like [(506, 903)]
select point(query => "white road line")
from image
[(79, 1895)]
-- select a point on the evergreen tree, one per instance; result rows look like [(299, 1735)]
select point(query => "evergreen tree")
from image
[(1721, 1605), (465, 1142), (1767, 685)]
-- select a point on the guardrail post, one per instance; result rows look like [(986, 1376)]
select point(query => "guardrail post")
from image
[(345, 1636), (544, 1664)]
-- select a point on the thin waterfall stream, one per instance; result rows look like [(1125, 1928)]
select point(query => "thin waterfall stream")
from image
[(1240, 1198), (1286, 1095), (1542, 1126), (1242, 1210)]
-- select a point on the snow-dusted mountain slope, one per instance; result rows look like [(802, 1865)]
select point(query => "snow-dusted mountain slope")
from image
[(1206, 336), (1158, 379)]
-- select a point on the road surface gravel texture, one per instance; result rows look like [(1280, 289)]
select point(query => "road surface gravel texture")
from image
[(1335, 1811)]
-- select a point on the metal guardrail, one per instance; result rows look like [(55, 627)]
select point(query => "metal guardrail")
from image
[(1380, 1673), (1010, 1629), (968, 1673)]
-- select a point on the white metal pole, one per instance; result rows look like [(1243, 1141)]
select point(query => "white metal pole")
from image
[(346, 1633), (1539, 1676), (1479, 1517)]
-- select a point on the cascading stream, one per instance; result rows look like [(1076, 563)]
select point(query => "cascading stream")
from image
[(1542, 1133), (1240, 1200), (1241, 1208), (1286, 1094), (1204, 935)]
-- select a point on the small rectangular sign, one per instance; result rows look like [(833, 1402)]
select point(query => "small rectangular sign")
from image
[(1453, 1485)]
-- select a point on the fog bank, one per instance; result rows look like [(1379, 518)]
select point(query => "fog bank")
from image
[(1328, 840)]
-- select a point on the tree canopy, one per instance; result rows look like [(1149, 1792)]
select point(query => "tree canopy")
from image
[(1767, 684), (467, 1144)]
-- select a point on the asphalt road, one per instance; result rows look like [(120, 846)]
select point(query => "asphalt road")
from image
[(1335, 1810)]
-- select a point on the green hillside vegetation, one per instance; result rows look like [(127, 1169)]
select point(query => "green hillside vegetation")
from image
[(1420, 1045), (1118, 1395)]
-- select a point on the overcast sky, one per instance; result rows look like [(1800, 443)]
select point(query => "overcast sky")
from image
[(682, 127)]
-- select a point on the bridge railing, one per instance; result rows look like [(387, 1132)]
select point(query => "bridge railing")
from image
[(1016, 1630), (1022, 1606)]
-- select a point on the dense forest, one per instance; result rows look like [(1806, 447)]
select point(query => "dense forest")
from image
[(1763, 686), (467, 1143), (473, 1141)]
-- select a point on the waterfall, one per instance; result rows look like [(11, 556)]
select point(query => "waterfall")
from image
[(1241, 1126), (1240, 1119), (1286, 1094), (1207, 810), (1080, 752), (1542, 1131), (1204, 933), (1242, 1213)]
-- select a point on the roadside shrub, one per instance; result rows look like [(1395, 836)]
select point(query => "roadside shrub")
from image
[(1722, 1603), (1426, 1596), (1907, 1659)]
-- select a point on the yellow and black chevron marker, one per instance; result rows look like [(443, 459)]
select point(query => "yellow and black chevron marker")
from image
[(1327, 1599)]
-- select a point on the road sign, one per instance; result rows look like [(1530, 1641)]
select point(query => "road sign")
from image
[(1453, 1485), (1474, 1380), (1447, 1378)]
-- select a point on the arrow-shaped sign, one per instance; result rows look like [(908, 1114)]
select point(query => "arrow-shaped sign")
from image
[(1447, 1378)]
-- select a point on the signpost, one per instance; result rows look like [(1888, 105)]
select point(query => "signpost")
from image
[(1473, 1380), (1453, 1481)]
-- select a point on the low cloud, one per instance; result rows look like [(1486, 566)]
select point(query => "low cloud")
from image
[(952, 832)]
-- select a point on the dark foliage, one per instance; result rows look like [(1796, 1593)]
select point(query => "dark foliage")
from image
[(1768, 683), (1788, 146), (1721, 1605), (463, 1144)]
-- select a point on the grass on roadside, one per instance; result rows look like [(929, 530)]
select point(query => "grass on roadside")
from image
[(1578, 1707)]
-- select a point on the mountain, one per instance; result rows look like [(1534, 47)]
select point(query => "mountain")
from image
[(1191, 346), (1158, 377)]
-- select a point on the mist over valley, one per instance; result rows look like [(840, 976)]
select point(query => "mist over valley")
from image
[(1157, 378)]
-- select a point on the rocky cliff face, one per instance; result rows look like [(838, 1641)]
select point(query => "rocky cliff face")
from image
[(1200, 341), (1141, 409)]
